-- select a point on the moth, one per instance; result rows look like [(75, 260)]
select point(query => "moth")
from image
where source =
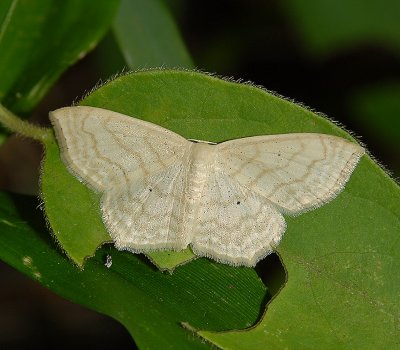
[(161, 191)]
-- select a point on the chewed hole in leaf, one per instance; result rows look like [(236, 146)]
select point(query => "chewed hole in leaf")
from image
[(272, 273)]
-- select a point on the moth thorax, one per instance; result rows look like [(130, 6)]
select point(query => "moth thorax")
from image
[(201, 161)]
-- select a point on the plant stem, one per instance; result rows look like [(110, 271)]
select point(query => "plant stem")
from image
[(15, 124)]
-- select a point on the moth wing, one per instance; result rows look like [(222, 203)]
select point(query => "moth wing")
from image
[(295, 172), (103, 147)]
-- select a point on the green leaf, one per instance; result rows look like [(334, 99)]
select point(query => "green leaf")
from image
[(342, 260), (40, 39), (168, 260), (148, 36), (78, 233), (150, 304), (326, 26)]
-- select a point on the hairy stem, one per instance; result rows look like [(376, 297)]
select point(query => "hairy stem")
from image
[(15, 124)]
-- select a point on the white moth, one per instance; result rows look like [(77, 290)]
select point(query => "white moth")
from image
[(161, 191)]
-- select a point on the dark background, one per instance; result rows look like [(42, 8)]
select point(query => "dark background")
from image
[(340, 58)]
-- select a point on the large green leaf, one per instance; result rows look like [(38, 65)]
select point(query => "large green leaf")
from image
[(40, 39), (343, 266), (150, 304), (342, 260), (148, 37)]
